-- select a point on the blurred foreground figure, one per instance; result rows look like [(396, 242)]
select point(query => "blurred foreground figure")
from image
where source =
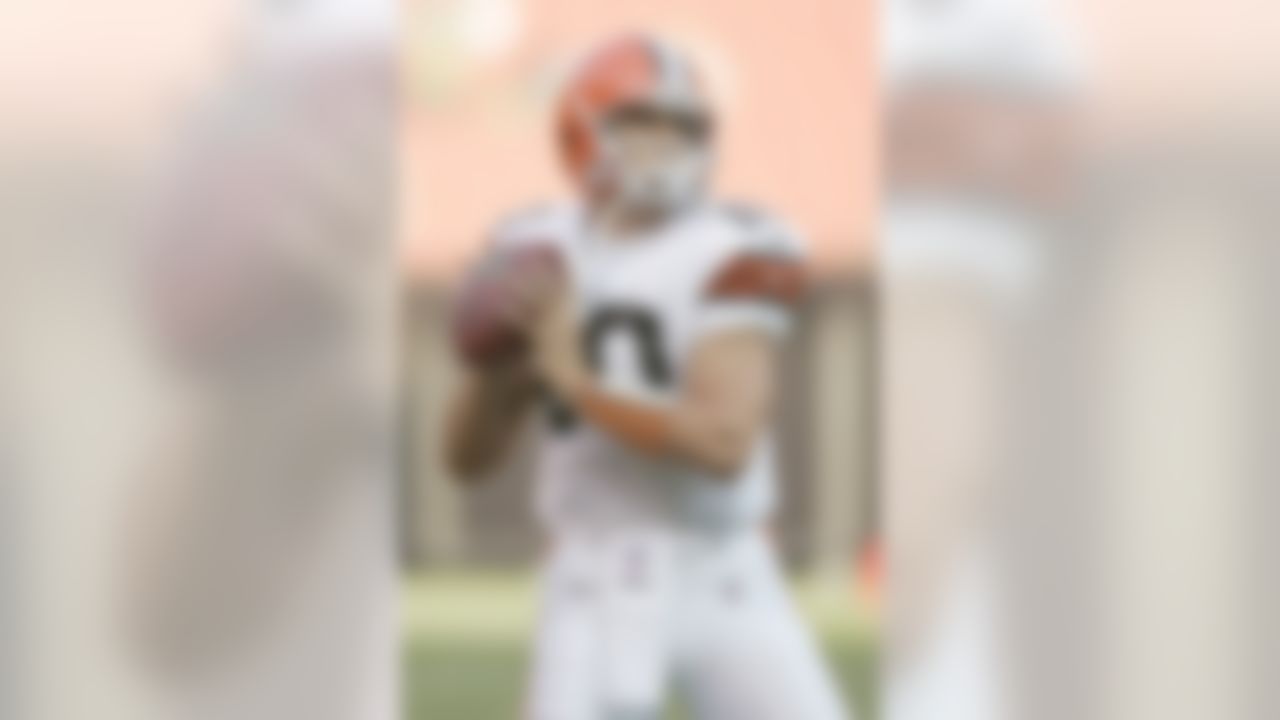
[(263, 583), (642, 327), (979, 109), (1090, 532)]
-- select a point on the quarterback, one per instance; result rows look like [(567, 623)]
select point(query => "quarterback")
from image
[(639, 330)]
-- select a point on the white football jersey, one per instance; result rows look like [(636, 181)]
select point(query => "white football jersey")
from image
[(644, 303)]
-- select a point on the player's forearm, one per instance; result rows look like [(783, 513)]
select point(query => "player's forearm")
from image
[(484, 421), (708, 438), (714, 441)]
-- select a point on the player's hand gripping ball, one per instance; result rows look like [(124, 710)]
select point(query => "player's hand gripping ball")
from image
[(498, 301)]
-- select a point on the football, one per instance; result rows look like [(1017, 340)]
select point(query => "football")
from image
[(498, 291)]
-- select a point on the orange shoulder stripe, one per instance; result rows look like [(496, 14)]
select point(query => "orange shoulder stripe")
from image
[(771, 278)]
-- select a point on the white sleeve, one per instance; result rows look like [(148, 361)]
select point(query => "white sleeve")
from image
[(738, 315)]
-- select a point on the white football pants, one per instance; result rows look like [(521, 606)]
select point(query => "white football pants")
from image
[(630, 617)]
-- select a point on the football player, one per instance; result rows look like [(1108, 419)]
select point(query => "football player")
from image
[(648, 350)]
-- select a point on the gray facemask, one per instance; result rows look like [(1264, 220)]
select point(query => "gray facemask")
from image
[(656, 188)]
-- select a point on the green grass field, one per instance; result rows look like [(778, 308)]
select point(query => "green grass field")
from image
[(467, 641)]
